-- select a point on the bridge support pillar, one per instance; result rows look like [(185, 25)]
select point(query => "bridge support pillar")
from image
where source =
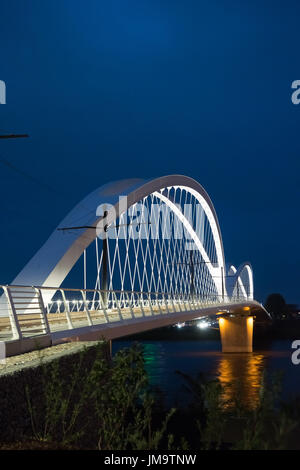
[(236, 334)]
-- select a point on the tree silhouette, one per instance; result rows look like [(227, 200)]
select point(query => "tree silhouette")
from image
[(276, 305)]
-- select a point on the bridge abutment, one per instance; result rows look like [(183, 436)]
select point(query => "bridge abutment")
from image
[(236, 334)]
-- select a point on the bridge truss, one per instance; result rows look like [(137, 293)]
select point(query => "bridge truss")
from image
[(146, 248)]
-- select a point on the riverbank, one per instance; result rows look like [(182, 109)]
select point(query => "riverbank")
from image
[(28, 379), (13, 364)]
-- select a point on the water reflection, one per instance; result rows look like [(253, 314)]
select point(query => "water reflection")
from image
[(155, 363), (239, 373), (241, 378)]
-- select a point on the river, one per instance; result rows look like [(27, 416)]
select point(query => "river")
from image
[(240, 373)]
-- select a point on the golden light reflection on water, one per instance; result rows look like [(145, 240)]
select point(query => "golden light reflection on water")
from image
[(241, 376)]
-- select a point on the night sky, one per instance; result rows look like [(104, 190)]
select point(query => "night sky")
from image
[(142, 88)]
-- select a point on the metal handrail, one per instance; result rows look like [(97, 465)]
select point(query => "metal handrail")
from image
[(119, 303), (105, 290)]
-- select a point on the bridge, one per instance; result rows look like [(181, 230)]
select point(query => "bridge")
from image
[(144, 254)]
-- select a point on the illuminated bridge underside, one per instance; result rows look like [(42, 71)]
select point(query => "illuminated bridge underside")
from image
[(162, 262)]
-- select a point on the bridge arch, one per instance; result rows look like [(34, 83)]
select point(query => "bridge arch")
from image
[(240, 281), (55, 259)]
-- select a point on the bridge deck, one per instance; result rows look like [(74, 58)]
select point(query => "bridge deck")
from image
[(31, 325), (28, 313)]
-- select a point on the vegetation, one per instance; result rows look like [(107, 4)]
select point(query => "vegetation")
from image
[(107, 407), (110, 406), (276, 305)]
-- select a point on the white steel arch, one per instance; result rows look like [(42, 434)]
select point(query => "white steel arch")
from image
[(215, 272), (235, 281), (51, 264)]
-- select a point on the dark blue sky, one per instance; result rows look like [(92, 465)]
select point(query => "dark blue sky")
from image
[(142, 88)]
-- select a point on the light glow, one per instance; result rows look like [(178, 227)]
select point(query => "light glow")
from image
[(203, 324)]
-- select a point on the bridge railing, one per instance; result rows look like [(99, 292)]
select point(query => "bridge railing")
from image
[(28, 311)]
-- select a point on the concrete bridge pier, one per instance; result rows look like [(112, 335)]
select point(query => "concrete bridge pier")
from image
[(236, 333)]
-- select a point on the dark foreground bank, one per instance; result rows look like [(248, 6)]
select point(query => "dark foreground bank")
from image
[(89, 401)]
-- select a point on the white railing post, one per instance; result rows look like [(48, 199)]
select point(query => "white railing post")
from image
[(179, 302), (85, 303), (159, 304), (173, 305), (117, 302), (44, 318), (103, 304), (166, 303), (189, 301), (67, 310), (129, 305), (150, 304), (14, 323), (140, 300)]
